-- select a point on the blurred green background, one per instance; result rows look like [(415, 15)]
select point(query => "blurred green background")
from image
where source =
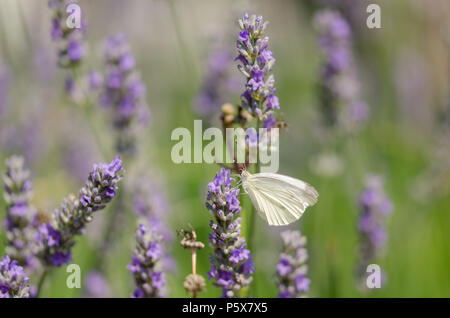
[(172, 41)]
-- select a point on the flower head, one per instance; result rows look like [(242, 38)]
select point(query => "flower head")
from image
[(145, 261), (256, 62), (231, 263), (340, 91), (123, 93), (291, 269), (14, 282), (71, 48), (20, 214), (374, 206), (56, 238)]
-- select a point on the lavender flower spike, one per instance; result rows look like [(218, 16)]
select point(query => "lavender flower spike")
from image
[(20, 215), (340, 90), (145, 261), (291, 269), (56, 238), (231, 263), (124, 93), (71, 49), (256, 64), (14, 282), (374, 206)]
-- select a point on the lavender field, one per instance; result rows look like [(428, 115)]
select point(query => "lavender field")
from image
[(97, 200)]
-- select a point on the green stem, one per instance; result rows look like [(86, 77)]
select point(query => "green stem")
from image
[(41, 282), (252, 217)]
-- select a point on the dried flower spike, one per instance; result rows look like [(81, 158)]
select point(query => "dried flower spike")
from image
[(193, 283)]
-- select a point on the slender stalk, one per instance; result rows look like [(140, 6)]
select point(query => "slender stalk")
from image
[(252, 218), (194, 261), (194, 268), (41, 282)]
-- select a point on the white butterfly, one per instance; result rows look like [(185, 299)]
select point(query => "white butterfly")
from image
[(279, 200)]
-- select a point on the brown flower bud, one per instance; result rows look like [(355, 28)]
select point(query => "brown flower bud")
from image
[(194, 283), (227, 109)]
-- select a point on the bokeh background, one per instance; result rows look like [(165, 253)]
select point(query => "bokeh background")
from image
[(404, 71)]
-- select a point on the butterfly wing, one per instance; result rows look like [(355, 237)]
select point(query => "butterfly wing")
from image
[(279, 200)]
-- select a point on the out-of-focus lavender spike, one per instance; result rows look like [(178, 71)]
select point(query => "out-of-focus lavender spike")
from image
[(217, 86), (341, 103), (124, 93), (374, 206), (151, 204), (79, 150), (145, 264), (20, 223), (56, 238), (231, 263), (14, 282), (5, 83), (71, 48), (97, 286), (292, 270)]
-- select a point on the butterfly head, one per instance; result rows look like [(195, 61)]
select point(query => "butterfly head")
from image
[(244, 175)]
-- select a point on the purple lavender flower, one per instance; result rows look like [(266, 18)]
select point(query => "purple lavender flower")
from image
[(95, 80), (374, 206), (71, 49), (291, 269), (56, 238), (145, 261), (256, 64), (340, 91), (217, 85), (231, 263), (20, 214), (97, 286), (14, 282), (151, 204), (124, 93)]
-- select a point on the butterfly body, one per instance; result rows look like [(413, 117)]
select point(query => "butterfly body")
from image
[(278, 199)]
